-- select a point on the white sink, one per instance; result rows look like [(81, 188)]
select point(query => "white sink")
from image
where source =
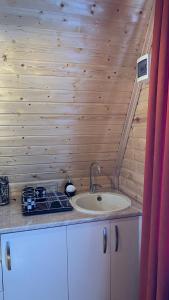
[(100, 203)]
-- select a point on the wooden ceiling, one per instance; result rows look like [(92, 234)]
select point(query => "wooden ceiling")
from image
[(67, 70)]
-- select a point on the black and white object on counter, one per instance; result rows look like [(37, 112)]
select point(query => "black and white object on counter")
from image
[(28, 198), (70, 189), (39, 200), (4, 190), (40, 194)]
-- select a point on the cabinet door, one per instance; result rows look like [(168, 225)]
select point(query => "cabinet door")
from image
[(38, 262), (89, 261), (0, 274), (125, 242)]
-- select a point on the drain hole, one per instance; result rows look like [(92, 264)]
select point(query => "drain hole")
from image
[(99, 198)]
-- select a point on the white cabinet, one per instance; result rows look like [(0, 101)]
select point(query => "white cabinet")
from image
[(1, 293), (38, 262), (0, 273), (125, 243), (89, 261)]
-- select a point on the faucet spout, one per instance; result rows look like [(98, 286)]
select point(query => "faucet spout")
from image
[(93, 165)]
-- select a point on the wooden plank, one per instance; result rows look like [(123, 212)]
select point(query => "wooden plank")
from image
[(135, 155), (134, 191), (52, 176), (137, 143), (142, 108), (78, 3), (60, 109), (137, 188), (66, 22), (26, 67), (63, 40), (133, 176), (138, 132), (139, 120), (134, 166), (58, 149), (6, 131), (80, 55), (61, 140), (59, 158), (101, 9), (59, 120), (13, 35), (57, 83), (63, 96), (144, 93), (54, 167)]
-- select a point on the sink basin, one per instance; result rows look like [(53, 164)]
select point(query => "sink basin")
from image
[(100, 203)]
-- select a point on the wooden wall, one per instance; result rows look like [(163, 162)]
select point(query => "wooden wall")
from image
[(132, 172), (67, 70)]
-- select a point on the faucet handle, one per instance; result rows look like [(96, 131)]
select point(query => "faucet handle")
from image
[(95, 186)]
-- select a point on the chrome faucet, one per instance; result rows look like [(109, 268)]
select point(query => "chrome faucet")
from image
[(93, 186)]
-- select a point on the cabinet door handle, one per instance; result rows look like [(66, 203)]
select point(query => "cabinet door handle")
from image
[(104, 240), (117, 238), (8, 257)]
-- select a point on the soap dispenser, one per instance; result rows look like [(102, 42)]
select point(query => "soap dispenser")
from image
[(70, 189)]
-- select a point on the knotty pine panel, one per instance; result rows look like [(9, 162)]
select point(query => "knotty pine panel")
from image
[(38, 177), (52, 39), (49, 159), (61, 140), (24, 67), (57, 168), (58, 83), (58, 130), (60, 120), (57, 150), (103, 10), (63, 96), (132, 171), (61, 109), (67, 70)]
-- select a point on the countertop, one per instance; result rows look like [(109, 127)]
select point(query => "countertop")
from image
[(12, 220)]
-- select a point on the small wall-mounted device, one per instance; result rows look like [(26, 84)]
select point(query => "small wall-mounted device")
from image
[(143, 64)]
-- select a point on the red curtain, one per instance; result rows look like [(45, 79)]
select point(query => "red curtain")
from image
[(154, 275)]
